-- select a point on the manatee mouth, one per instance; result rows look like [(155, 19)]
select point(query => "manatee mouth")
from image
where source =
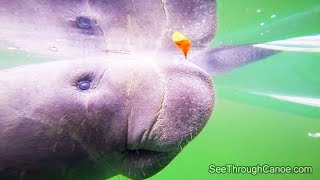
[(142, 163)]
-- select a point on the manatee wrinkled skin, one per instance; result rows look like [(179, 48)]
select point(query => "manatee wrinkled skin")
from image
[(134, 119)]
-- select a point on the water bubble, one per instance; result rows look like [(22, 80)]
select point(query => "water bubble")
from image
[(262, 34), (262, 24), (203, 20), (314, 135), (273, 16), (258, 11)]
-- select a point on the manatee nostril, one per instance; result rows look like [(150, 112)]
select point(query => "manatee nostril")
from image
[(83, 22), (84, 85)]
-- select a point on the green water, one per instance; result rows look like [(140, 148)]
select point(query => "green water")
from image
[(246, 128)]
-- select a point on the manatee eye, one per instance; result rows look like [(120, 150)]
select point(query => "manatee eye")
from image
[(83, 22), (84, 85)]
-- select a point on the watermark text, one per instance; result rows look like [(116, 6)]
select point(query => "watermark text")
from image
[(259, 169)]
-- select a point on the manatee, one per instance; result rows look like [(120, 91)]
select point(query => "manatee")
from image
[(99, 118), (121, 99), (76, 28), (99, 28)]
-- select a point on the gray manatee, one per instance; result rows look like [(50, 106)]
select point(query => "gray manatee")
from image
[(124, 102), (96, 119), (73, 28)]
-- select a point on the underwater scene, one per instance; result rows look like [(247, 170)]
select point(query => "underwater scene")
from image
[(266, 111)]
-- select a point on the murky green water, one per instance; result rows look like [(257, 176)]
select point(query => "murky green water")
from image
[(248, 128)]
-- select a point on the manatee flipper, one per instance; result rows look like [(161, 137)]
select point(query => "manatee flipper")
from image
[(223, 59)]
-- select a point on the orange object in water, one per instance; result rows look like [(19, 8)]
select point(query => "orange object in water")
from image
[(181, 42)]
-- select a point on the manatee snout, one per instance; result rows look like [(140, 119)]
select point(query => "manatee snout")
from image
[(169, 110), (96, 119)]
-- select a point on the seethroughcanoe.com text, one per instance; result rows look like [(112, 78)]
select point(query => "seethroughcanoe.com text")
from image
[(259, 169)]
